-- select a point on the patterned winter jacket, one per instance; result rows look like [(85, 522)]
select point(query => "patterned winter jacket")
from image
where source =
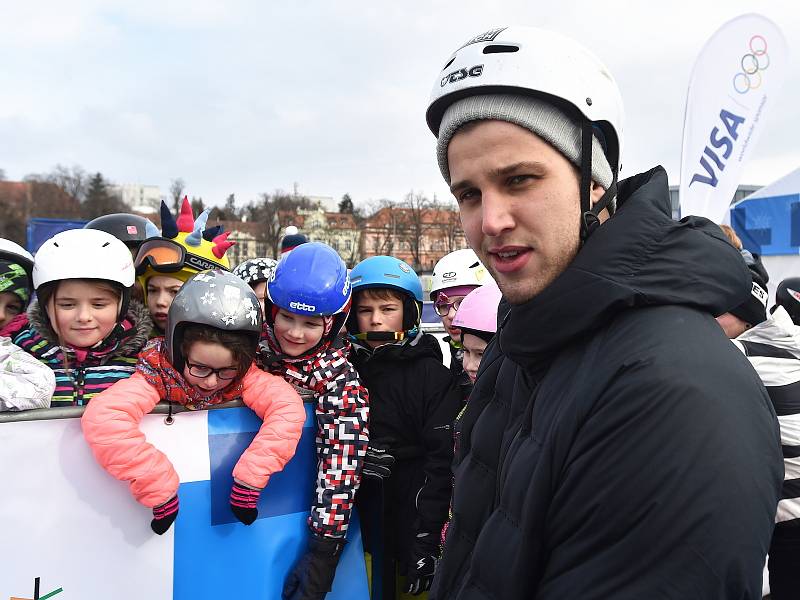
[(342, 413), (85, 373), (25, 383)]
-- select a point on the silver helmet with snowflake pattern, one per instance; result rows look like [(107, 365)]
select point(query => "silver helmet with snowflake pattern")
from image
[(215, 298)]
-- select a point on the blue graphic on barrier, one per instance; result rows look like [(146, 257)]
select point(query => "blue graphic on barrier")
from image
[(769, 226), (216, 556)]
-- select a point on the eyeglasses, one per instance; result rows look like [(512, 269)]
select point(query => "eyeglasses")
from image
[(443, 308), (203, 371), (166, 256)]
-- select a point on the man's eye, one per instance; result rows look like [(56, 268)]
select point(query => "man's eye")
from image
[(468, 195)]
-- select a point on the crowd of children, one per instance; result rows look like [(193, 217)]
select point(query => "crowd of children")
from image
[(119, 316)]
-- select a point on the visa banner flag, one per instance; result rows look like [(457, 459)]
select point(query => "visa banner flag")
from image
[(732, 88), (72, 531)]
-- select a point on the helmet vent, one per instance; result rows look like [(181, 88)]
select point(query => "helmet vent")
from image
[(449, 62), (104, 245), (499, 49)]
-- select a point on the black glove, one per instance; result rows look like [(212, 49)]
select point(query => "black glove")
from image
[(164, 515), (420, 571), (378, 461), (312, 576)]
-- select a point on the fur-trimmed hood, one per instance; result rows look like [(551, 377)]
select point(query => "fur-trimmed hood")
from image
[(132, 336)]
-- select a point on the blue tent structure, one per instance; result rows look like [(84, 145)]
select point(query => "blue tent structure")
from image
[(768, 223)]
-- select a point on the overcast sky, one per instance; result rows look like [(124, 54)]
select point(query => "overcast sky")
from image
[(248, 97)]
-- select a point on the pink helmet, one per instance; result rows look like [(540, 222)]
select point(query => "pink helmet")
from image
[(478, 310)]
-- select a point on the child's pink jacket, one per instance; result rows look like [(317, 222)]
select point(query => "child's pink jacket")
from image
[(111, 427)]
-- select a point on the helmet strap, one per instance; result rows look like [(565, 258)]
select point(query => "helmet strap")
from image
[(590, 215)]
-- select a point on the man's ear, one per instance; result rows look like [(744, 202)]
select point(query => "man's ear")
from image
[(595, 193)]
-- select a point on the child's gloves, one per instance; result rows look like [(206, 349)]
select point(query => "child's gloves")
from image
[(164, 515), (425, 558), (244, 502), (312, 576), (378, 461)]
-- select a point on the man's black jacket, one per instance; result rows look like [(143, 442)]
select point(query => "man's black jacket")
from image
[(616, 444)]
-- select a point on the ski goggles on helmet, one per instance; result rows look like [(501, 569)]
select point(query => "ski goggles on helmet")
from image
[(166, 256)]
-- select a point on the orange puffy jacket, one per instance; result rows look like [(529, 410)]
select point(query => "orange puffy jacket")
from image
[(111, 427)]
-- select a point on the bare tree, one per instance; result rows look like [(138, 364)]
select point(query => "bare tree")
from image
[(176, 192), (414, 217), (74, 181), (448, 225), (267, 212), (382, 227)]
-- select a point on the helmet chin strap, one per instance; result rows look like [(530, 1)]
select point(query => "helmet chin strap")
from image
[(385, 336), (590, 215)]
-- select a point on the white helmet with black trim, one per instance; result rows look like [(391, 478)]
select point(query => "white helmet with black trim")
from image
[(462, 267), (83, 254), (535, 62)]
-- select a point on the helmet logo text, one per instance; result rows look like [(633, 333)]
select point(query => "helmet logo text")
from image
[(302, 306), (475, 71)]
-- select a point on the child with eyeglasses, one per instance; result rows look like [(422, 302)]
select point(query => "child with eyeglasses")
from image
[(207, 357)]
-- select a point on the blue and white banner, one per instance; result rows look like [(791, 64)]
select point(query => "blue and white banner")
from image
[(69, 524), (732, 88)]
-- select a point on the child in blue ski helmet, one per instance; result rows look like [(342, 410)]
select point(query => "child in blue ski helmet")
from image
[(307, 303), (413, 404), (385, 277)]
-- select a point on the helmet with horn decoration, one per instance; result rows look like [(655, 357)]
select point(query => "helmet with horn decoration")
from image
[(184, 248)]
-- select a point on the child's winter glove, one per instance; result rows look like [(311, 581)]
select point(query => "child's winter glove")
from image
[(164, 515), (244, 502), (378, 461), (421, 570), (312, 576)]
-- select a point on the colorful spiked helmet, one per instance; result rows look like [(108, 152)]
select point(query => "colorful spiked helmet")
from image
[(184, 248)]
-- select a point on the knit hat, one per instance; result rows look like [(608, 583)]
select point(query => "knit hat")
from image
[(534, 114), (14, 279), (754, 309), (291, 241)]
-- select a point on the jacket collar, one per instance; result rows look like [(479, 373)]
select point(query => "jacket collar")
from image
[(638, 257)]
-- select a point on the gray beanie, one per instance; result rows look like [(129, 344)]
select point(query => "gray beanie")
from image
[(534, 114)]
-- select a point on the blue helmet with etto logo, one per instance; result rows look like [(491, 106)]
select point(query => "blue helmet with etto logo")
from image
[(311, 280)]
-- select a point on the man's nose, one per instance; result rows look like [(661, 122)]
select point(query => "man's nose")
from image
[(495, 215)]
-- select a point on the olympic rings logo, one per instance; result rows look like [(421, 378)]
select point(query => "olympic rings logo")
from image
[(753, 63)]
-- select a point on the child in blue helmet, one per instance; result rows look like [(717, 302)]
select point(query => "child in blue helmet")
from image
[(307, 303), (413, 406)]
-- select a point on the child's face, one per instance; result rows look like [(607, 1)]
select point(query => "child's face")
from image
[(473, 347), (378, 314), (10, 306), (297, 334), (161, 290), (210, 367), (260, 290), (82, 312)]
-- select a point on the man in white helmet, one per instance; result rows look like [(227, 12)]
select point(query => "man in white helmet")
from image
[(615, 444)]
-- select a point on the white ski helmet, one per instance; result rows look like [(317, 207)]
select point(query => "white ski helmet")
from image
[(544, 64), (83, 254), (462, 267)]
